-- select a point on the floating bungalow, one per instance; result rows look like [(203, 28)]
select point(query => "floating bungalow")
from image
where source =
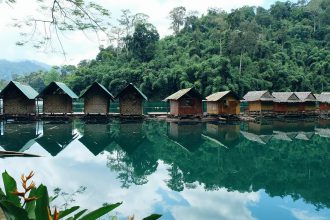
[(131, 101), (57, 98), (324, 101), (307, 101), (186, 102), (223, 103), (18, 99), (259, 101), (286, 102), (97, 99)]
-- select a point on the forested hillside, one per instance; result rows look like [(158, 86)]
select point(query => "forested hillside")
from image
[(283, 48)]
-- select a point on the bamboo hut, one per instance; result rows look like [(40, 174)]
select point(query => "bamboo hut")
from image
[(18, 99), (324, 101), (186, 102), (223, 103), (259, 101), (286, 102), (97, 99), (57, 98), (131, 101), (307, 101)]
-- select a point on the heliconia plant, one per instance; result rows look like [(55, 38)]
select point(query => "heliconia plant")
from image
[(33, 203)]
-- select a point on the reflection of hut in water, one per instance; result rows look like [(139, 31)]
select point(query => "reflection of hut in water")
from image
[(261, 139), (186, 102), (96, 137), (260, 128), (56, 137), (130, 136), (323, 132), (188, 135), (284, 136), (131, 101), (97, 99), (226, 134), (17, 137), (57, 98), (294, 126), (18, 99), (223, 103), (302, 135)]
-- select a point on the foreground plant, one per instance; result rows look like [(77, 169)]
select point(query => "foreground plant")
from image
[(33, 203)]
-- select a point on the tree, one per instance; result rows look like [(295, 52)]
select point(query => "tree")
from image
[(43, 29), (143, 42), (177, 17)]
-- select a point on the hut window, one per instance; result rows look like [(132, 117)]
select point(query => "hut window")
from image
[(187, 102), (226, 103)]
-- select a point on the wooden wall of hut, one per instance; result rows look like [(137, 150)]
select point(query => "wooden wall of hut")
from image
[(14, 102), (286, 107), (186, 106), (227, 106), (57, 103), (257, 106), (96, 102), (324, 106), (131, 103), (307, 106)]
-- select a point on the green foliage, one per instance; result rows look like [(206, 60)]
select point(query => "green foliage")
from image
[(284, 48), (36, 203)]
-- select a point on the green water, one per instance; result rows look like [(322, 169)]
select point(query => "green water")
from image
[(269, 170)]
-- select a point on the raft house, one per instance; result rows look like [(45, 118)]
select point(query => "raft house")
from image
[(18, 100), (97, 99), (286, 102), (307, 102), (224, 103), (131, 101), (186, 103), (57, 99), (259, 102), (324, 102)]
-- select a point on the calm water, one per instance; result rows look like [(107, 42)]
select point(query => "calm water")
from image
[(270, 170)]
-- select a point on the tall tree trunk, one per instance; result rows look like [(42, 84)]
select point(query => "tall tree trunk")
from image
[(240, 63)]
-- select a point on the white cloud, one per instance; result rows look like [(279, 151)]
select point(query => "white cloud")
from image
[(78, 46)]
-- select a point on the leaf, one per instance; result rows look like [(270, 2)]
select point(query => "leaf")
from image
[(76, 216), (42, 203), (12, 210), (30, 206), (100, 212), (152, 217), (10, 187), (68, 211)]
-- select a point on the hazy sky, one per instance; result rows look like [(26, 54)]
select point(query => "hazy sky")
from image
[(78, 46)]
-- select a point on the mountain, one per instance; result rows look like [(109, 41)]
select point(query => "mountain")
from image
[(9, 68)]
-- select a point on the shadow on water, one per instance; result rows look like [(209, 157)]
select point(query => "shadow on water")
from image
[(283, 158)]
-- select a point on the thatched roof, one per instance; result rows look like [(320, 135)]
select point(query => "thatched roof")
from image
[(98, 85), (324, 97), (258, 96), (285, 97), (220, 95), (133, 87), (179, 94), (27, 90), (57, 87), (305, 96)]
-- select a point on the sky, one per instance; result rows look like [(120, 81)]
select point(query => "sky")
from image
[(79, 46)]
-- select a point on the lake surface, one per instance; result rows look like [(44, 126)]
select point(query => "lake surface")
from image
[(269, 170)]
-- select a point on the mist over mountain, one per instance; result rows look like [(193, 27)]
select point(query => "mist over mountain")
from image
[(10, 68)]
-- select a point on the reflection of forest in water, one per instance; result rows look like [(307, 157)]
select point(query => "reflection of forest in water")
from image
[(284, 158)]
